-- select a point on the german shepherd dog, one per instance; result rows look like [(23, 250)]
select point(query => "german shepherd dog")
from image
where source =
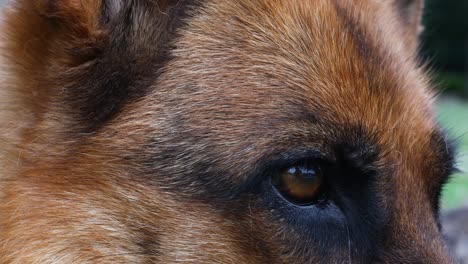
[(218, 131)]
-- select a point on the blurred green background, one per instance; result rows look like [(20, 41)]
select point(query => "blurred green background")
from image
[(445, 46)]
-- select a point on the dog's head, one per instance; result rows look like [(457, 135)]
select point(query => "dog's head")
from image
[(219, 131)]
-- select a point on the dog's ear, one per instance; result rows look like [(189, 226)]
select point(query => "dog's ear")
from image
[(84, 58), (53, 32), (410, 14)]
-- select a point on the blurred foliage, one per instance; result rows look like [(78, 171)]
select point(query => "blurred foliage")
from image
[(453, 114), (452, 82), (445, 43), (445, 39)]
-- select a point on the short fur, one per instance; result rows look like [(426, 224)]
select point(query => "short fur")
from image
[(147, 131)]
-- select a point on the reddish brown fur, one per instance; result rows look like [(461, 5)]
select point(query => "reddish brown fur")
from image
[(244, 82)]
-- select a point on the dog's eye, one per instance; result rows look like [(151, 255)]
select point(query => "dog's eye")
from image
[(299, 184)]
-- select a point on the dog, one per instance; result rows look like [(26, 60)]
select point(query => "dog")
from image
[(218, 131)]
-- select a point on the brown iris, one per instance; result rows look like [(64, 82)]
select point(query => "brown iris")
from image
[(300, 184)]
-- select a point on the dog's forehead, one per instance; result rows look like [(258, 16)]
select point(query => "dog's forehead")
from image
[(251, 77), (258, 59)]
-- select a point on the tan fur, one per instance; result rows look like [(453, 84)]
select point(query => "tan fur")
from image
[(238, 89)]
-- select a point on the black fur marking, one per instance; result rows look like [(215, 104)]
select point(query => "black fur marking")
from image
[(444, 166), (138, 46), (350, 219), (353, 209)]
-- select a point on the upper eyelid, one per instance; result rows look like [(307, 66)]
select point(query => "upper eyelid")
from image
[(270, 165), (292, 158)]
